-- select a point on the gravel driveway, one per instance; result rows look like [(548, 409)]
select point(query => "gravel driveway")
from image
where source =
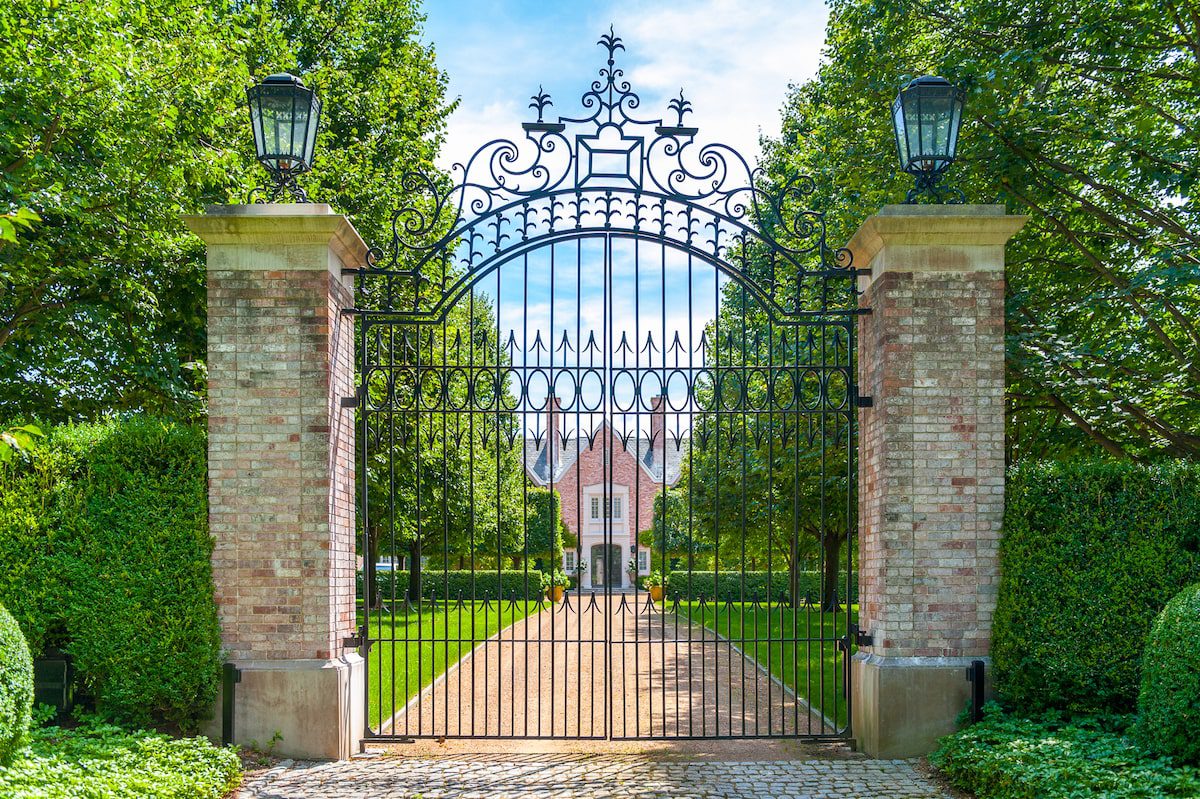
[(547, 676)]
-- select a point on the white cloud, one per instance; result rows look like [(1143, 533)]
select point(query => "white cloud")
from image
[(734, 59)]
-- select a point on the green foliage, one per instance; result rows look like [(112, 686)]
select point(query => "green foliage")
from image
[(1087, 122), (17, 440), (97, 760), (752, 586), (1057, 757), (105, 542), (1169, 701), (14, 221), (656, 579), (120, 115), (1091, 553), (460, 583), (545, 533), (16, 687)]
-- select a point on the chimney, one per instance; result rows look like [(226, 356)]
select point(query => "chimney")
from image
[(553, 412), (658, 430)]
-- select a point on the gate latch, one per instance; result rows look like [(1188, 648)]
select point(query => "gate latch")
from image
[(356, 641)]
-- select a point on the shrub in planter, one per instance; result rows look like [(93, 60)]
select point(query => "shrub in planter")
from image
[(1091, 553), (1169, 701), (16, 686)]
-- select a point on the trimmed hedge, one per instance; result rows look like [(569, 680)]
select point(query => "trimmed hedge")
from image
[(1169, 702), (1091, 553), (733, 586), (456, 583), (120, 537), (16, 687)]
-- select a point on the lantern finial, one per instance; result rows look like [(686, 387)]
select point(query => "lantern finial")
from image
[(284, 116), (926, 116)]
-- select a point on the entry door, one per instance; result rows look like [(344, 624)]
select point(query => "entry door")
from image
[(606, 572)]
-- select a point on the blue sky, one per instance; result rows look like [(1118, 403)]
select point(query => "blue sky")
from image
[(733, 58)]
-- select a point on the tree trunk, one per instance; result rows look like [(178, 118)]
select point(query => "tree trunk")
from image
[(829, 578), (371, 588), (414, 571), (794, 573)]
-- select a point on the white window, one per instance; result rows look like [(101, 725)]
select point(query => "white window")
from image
[(643, 562), (614, 508), (569, 560)]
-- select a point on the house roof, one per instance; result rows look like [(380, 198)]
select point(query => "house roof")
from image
[(537, 460)]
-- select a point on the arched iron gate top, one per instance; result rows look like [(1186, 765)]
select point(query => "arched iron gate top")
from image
[(611, 173)]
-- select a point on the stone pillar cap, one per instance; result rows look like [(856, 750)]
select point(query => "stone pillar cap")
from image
[(280, 224), (952, 227)]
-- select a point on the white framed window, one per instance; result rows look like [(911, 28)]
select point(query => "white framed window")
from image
[(614, 508), (643, 562), (569, 560)]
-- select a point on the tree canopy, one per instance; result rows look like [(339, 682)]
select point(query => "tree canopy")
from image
[(1083, 116), (117, 116)]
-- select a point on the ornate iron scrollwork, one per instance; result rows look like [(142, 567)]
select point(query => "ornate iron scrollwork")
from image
[(609, 171)]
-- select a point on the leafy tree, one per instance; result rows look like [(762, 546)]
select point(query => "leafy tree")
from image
[(1086, 121), (118, 116), (768, 483), (445, 477), (545, 533)]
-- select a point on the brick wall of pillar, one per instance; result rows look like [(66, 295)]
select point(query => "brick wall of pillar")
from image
[(281, 447), (931, 452)]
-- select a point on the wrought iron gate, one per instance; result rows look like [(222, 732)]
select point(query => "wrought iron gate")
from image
[(612, 357)]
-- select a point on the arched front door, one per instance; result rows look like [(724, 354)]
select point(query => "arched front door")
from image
[(610, 348)]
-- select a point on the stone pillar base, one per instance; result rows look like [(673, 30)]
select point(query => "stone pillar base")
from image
[(902, 705), (316, 707)]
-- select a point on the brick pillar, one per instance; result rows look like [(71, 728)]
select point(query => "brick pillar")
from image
[(281, 470), (931, 465)]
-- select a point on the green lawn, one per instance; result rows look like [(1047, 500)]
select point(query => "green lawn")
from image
[(427, 640), (813, 669)]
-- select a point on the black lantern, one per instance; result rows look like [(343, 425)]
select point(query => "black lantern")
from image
[(284, 116), (927, 115)]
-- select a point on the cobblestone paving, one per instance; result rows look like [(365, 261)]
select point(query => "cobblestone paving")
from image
[(598, 776)]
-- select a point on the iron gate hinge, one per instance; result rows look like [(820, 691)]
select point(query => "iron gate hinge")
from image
[(864, 401), (352, 402), (863, 639)]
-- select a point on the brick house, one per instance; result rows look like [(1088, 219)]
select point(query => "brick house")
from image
[(604, 476)]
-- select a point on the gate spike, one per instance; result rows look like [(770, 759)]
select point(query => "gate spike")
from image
[(650, 345), (623, 348), (592, 346), (564, 346)]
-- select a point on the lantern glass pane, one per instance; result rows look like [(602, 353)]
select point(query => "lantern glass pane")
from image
[(955, 123), (314, 123), (899, 127)]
